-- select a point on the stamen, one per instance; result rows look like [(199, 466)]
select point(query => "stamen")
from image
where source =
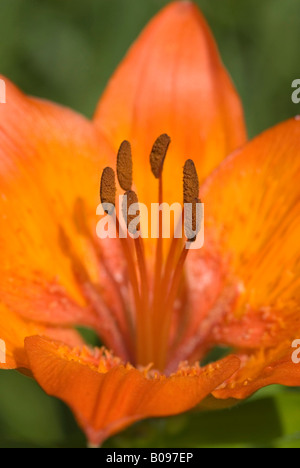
[(157, 158), (108, 190), (130, 198), (158, 154), (190, 200), (190, 182), (154, 301), (107, 196), (124, 166), (171, 282), (143, 322)]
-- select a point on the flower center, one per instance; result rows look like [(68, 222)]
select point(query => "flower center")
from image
[(155, 288)]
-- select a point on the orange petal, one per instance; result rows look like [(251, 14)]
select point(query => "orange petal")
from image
[(107, 396), (245, 282), (50, 164), (263, 368), (173, 81), (14, 329)]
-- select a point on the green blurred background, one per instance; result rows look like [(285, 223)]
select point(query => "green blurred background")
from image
[(66, 50)]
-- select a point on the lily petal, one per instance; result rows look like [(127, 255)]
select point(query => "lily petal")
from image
[(250, 263), (50, 160), (173, 81), (260, 369), (14, 329), (106, 396)]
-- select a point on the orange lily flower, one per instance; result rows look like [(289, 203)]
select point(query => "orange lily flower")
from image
[(156, 318)]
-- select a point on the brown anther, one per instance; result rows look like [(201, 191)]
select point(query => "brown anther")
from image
[(158, 154), (108, 190), (130, 198), (192, 224), (124, 166), (190, 182)]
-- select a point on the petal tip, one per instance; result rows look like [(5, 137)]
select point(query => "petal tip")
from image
[(182, 9)]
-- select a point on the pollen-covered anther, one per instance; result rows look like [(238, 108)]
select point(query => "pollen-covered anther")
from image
[(131, 212), (124, 166), (108, 190), (190, 182), (192, 204), (158, 154)]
